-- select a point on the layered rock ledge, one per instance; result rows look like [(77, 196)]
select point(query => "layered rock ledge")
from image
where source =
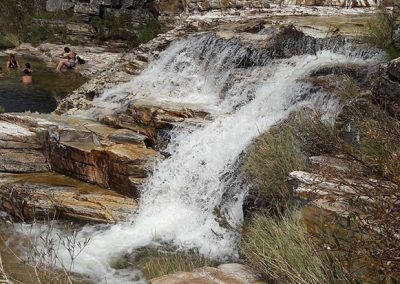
[(70, 167), (80, 148), (49, 196)]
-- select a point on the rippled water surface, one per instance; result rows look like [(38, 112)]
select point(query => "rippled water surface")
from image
[(42, 96)]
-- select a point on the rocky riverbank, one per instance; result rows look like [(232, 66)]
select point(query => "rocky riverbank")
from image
[(91, 166)]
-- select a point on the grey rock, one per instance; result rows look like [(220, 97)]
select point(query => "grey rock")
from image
[(86, 8), (58, 5), (127, 136), (387, 89)]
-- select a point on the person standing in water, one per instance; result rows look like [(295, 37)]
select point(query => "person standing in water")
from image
[(26, 78), (28, 67), (12, 63), (68, 60)]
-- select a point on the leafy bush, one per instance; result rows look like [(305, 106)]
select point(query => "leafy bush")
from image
[(281, 249)]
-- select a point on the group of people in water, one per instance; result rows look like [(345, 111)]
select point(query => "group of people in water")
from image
[(13, 64), (67, 59)]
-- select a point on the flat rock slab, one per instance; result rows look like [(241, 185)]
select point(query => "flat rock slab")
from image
[(224, 274), (51, 195)]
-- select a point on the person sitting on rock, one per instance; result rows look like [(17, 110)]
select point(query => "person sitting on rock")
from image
[(28, 67), (68, 60), (12, 63), (26, 78)]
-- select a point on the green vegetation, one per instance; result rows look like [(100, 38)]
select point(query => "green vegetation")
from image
[(149, 31), (281, 249), (18, 24), (155, 263), (348, 88), (27, 21), (272, 157), (109, 27), (380, 32), (367, 245)]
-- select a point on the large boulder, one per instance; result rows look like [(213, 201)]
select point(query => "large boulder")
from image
[(58, 5), (387, 89)]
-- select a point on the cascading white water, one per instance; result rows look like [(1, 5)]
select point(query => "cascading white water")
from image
[(178, 201)]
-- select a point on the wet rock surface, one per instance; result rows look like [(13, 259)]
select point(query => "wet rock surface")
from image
[(224, 274)]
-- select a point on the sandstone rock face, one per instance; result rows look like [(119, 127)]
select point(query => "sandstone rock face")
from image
[(387, 89), (83, 149), (50, 195), (225, 274), (147, 117)]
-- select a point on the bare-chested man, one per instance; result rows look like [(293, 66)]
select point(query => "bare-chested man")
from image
[(26, 78)]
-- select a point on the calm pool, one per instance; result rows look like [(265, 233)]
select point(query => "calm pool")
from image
[(42, 96)]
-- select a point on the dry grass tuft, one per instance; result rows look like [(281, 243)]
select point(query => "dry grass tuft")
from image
[(281, 249), (155, 263)]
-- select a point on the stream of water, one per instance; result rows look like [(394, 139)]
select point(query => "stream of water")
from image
[(179, 201)]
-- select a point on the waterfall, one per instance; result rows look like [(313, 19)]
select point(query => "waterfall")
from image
[(178, 201)]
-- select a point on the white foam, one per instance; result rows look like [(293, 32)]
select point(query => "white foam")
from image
[(179, 201)]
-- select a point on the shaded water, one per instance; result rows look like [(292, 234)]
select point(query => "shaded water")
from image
[(43, 94)]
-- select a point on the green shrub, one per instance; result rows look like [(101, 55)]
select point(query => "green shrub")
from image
[(149, 31), (269, 161), (281, 249), (380, 32), (8, 41), (155, 263), (379, 146)]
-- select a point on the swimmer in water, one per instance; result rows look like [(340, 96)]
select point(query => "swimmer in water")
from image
[(26, 78)]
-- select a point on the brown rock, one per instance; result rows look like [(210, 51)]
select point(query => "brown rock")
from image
[(225, 274), (51, 195), (86, 150)]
